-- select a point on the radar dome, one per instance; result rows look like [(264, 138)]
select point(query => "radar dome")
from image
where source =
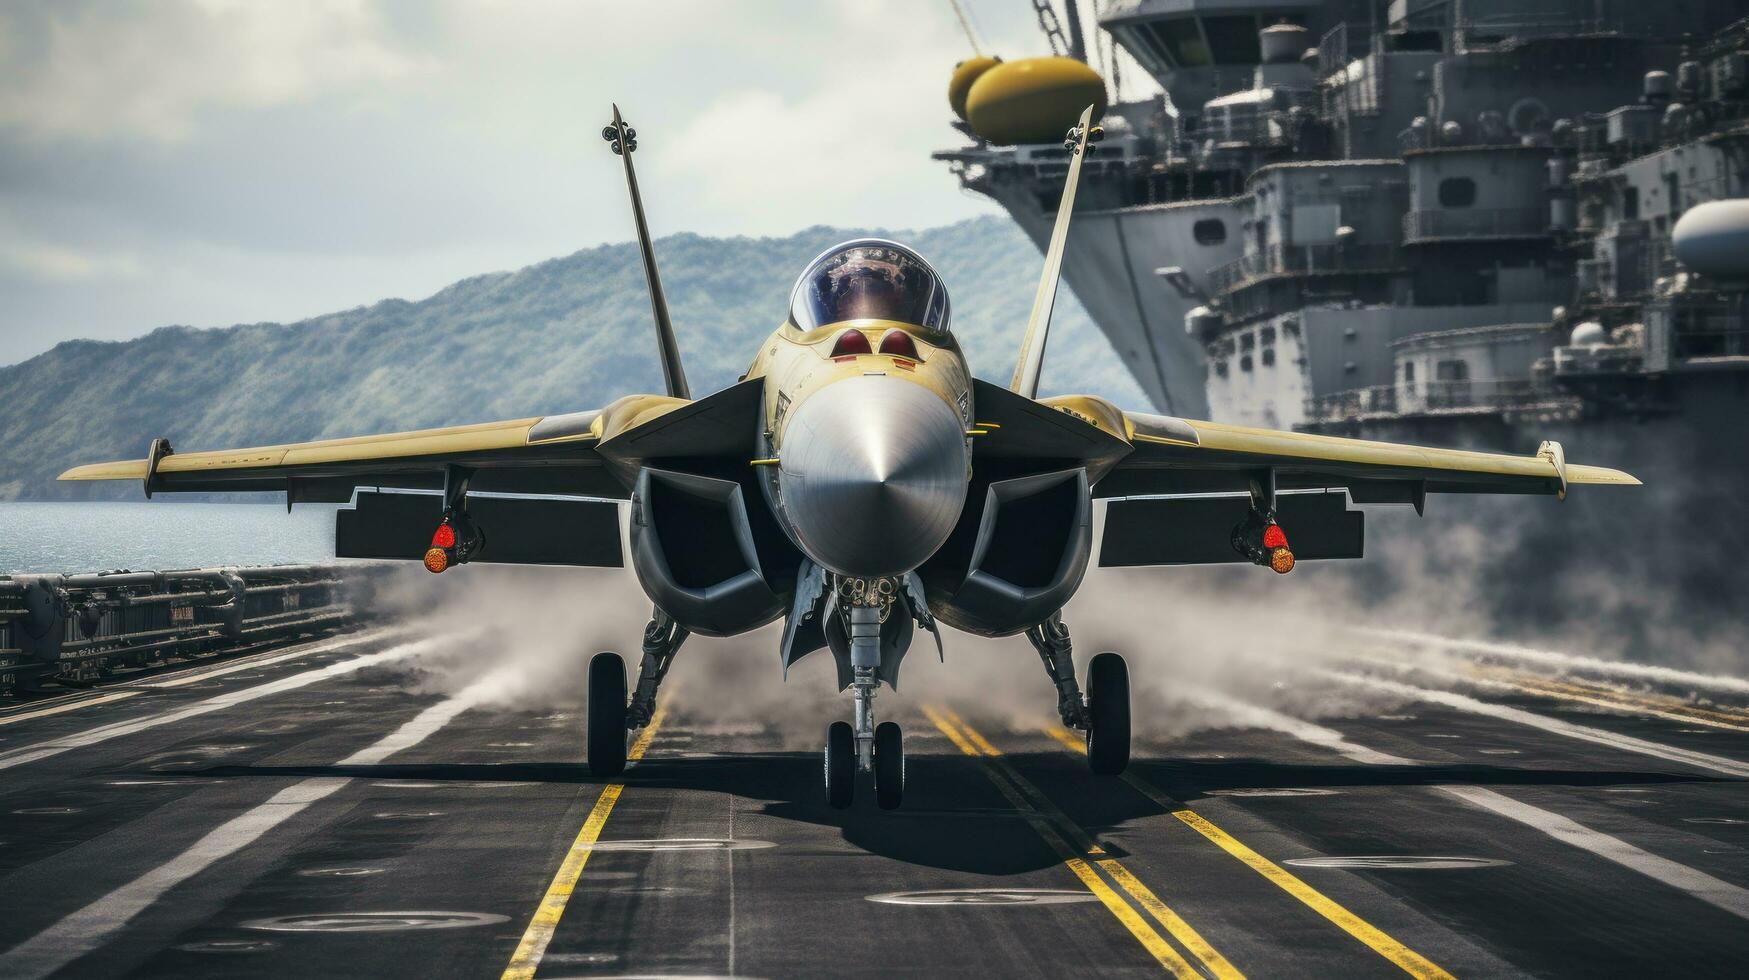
[(1034, 100), (1589, 334), (1713, 239), (964, 74)]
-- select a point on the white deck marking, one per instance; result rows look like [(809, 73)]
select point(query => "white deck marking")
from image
[(1569, 661), (93, 925), (1713, 891), (230, 699), (1627, 743), (67, 706), (206, 673)]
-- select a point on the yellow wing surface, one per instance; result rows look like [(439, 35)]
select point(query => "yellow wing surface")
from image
[(549, 454), (1172, 455)]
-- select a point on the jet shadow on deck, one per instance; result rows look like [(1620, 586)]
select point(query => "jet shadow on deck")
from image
[(970, 825)]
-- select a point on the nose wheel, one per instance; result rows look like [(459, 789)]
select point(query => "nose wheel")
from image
[(840, 764), (887, 765), (607, 714)]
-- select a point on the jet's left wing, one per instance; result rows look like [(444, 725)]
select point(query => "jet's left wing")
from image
[(1171, 455), (1191, 492)]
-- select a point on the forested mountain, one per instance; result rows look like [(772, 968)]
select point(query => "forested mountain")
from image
[(566, 334)]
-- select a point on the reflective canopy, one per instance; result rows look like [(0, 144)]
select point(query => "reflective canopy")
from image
[(869, 279)]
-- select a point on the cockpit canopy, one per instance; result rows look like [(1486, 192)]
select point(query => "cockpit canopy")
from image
[(869, 279)]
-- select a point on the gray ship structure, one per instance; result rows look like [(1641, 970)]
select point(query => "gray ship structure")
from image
[(1447, 210), (1478, 223)]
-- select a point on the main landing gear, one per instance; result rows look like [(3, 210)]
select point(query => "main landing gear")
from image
[(1104, 713), (610, 715), (864, 746)]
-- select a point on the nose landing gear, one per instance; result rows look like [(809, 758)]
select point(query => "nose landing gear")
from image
[(865, 747)]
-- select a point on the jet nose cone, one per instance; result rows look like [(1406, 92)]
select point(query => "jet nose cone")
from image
[(873, 475)]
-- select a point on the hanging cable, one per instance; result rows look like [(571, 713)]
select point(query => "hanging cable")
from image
[(966, 25)]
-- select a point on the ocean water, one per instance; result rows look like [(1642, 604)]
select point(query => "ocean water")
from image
[(154, 535)]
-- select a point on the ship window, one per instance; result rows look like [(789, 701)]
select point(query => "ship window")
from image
[(1182, 41), (1233, 39), (1245, 363), (1457, 192), (1266, 336), (1630, 203), (1268, 356), (1209, 231), (1247, 340), (1221, 368)]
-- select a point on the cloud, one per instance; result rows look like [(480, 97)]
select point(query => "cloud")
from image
[(55, 263), (151, 70)]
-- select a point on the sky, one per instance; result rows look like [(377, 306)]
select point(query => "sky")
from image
[(210, 162)]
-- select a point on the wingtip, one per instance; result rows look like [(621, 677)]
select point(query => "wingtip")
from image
[(1602, 475), (127, 469)]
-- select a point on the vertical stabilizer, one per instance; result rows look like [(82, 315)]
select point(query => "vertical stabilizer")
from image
[(625, 141), (1032, 349)]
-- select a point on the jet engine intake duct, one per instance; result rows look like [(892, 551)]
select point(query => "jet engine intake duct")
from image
[(694, 554), (1035, 534)]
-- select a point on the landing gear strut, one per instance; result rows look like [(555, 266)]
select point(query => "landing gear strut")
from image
[(1051, 639), (662, 639), (610, 714), (1104, 714), (862, 746)]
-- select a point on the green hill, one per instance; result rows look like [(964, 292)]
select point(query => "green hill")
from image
[(566, 334)]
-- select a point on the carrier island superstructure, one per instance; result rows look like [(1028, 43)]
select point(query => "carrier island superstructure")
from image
[(1360, 216)]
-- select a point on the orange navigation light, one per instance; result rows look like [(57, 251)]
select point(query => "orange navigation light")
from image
[(443, 538), (1281, 560), (436, 560)]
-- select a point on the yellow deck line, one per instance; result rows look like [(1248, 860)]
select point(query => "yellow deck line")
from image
[(1053, 826), (1377, 940), (73, 706), (1661, 706), (545, 923)]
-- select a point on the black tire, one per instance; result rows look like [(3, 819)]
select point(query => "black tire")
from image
[(840, 764), (889, 765), (1108, 714), (607, 714)]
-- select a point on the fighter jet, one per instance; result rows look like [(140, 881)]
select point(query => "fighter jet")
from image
[(860, 484)]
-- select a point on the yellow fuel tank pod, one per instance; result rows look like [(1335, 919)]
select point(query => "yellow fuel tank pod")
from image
[(1034, 100), (964, 74)]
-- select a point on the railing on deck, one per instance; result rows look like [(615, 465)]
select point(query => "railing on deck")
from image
[(1291, 260), (1475, 223), (1429, 397), (76, 628)]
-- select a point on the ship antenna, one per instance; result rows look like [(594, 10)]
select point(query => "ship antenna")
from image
[(1032, 348), (625, 140)]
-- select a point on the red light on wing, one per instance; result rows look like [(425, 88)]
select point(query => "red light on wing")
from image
[(444, 536), (899, 344), (851, 342), (1274, 537)]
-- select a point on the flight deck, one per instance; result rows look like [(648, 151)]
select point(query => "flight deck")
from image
[(304, 810)]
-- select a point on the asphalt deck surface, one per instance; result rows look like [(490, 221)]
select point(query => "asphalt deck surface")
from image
[(302, 813)]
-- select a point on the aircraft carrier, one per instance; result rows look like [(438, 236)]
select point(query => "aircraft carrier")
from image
[(1473, 223), (318, 807)]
